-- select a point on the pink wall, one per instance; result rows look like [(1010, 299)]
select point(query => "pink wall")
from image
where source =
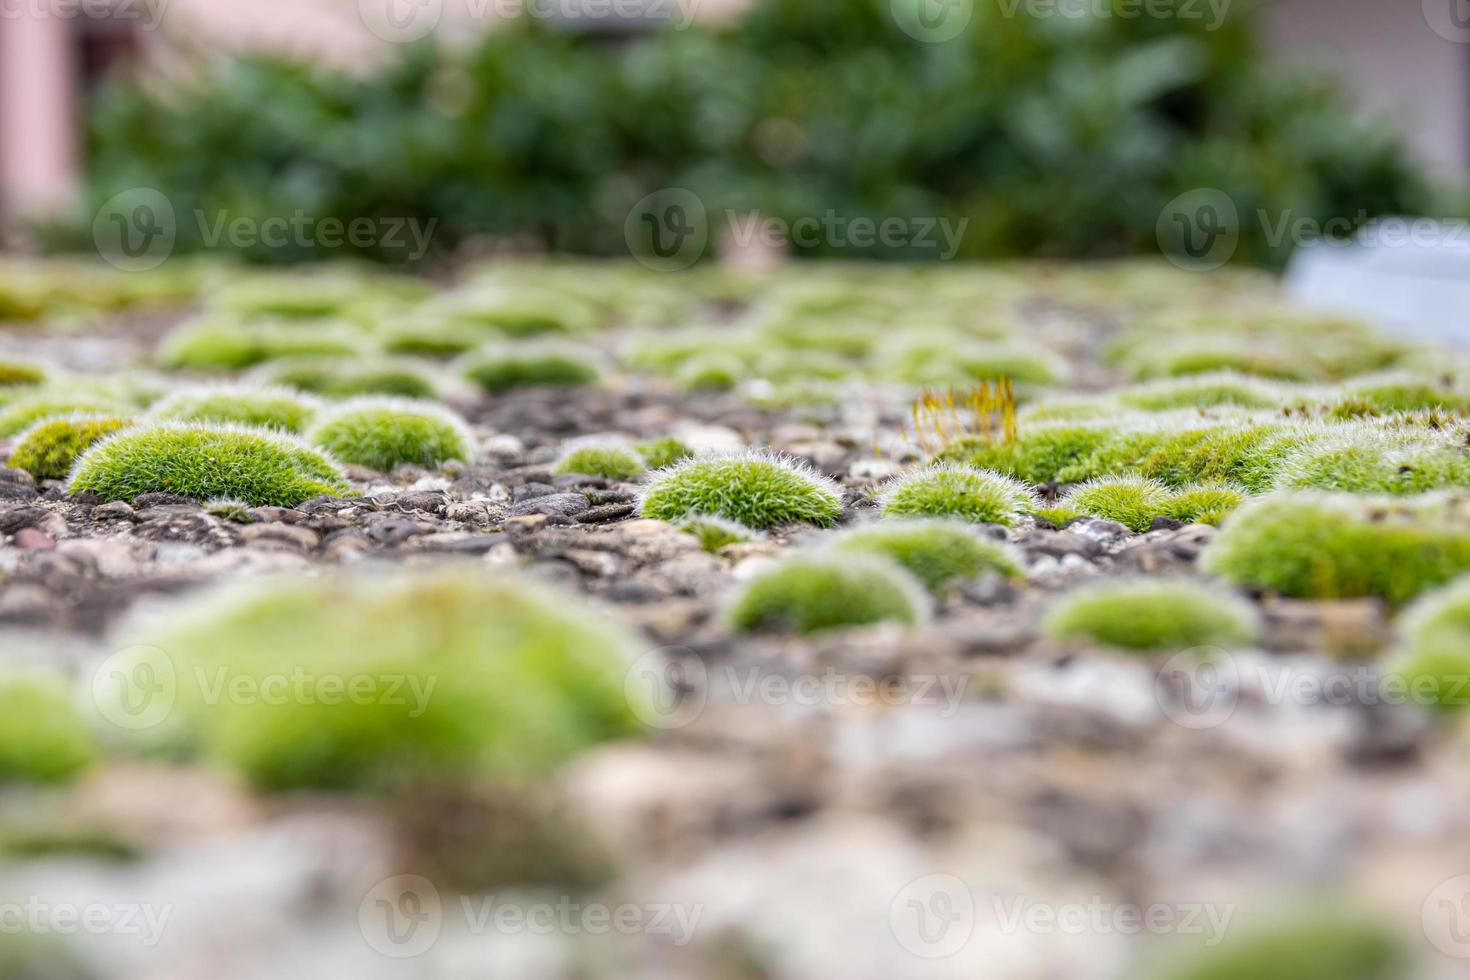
[(38, 124)]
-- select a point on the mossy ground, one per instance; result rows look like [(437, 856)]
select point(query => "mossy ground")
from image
[(206, 461)]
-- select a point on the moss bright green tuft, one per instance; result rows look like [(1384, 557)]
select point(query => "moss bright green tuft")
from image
[(811, 593), (955, 490), (205, 461), (385, 433), (351, 377), (21, 414), (49, 449), (1433, 656), (714, 533), (608, 462), (1152, 615), (1132, 501), (43, 737), (1204, 504), (503, 370), (1315, 946), (758, 490), (215, 346), (14, 374), (265, 407), (658, 453), (936, 552), (402, 678), (1333, 546)]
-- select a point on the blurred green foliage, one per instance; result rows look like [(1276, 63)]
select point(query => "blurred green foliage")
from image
[(1055, 135)]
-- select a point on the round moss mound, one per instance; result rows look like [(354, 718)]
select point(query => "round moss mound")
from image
[(205, 461), (1433, 656), (351, 377), (21, 414), (43, 737), (1152, 615), (1363, 458), (936, 552), (714, 533), (1315, 946), (1133, 502), (1336, 546), (384, 433), (14, 374), (210, 346), (1203, 505), (264, 407), (499, 371), (959, 491), (808, 594), (758, 490), (608, 462), (370, 682), (658, 453), (49, 449)]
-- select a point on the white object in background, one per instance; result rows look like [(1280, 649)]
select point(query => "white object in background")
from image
[(1410, 276)]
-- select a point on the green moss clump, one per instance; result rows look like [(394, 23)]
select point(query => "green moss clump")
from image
[(1333, 546), (430, 337), (936, 552), (205, 461), (272, 408), (1132, 501), (1401, 392), (229, 509), (714, 533), (521, 312), (43, 737), (1152, 615), (1038, 455), (351, 377), (1203, 504), (371, 682), (758, 490), (384, 433), (213, 346), (1057, 516), (1319, 946), (954, 490), (1366, 459), (937, 362), (1202, 391), (13, 374), (21, 414), (608, 462), (808, 594), (1434, 653), (658, 453), (48, 449), (501, 371)]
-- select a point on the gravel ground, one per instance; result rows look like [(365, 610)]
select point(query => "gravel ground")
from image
[(961, 799)]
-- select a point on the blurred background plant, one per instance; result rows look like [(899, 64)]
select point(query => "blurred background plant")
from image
[(1053, 136)]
